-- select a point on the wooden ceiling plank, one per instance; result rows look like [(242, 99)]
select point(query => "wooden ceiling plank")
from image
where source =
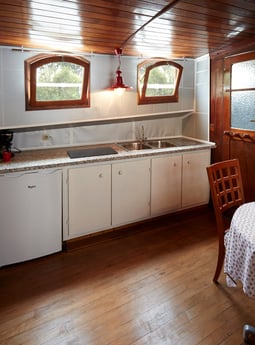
[(189, 26), (214, 10), (240, 4), (200, 18)]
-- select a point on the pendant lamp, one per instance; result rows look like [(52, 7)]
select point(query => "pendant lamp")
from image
[(119, 87)]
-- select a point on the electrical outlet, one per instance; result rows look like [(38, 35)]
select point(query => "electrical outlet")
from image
[(46, 137)]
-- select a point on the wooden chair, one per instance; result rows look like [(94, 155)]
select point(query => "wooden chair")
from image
[(227, 194)]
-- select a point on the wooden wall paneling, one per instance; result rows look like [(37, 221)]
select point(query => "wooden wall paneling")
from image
[(216, 108), (245, 152)]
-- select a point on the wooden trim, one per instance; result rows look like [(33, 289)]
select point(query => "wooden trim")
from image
[(240, 135), (234, 49)]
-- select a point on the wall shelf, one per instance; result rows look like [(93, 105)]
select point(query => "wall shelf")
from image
[(93, 122)]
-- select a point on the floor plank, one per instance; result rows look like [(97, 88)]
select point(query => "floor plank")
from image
[(152, 284)]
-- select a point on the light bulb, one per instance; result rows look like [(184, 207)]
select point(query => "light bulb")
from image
[(119, 91)]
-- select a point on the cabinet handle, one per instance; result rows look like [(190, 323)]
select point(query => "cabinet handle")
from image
[(31, 186), (188, 162), (175, 164), (120, 172), (100, 175)]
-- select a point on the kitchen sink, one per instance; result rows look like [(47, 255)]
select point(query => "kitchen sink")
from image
[(145, 145), (133, 146), (157, 144), (160, 144)]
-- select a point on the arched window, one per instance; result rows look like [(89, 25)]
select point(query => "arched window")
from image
[(56, 82), (158, 81)]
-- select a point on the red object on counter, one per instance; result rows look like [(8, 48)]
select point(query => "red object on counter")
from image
[(6, 156)]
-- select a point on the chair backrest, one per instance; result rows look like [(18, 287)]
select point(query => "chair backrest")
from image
[(227, 194), (226, 187)]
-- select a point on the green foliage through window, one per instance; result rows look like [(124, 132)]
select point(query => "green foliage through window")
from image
[(59, 81)]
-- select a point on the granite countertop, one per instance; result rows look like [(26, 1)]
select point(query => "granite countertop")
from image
[(59, 157)]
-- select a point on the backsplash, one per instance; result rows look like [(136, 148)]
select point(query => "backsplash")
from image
[(100, 133)]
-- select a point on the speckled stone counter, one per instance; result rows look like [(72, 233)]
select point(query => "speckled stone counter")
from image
[(58, 157)]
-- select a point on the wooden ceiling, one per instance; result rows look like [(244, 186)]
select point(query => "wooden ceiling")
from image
[(173, 28)]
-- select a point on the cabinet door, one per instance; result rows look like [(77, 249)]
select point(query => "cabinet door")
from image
[(30, 215), (165, 184), (130, 191), (195, 185), (89, 199)]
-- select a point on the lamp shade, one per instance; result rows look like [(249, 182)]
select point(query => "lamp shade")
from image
[(119, 85)]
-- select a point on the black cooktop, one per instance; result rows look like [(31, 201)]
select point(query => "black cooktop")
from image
[(98, 151)]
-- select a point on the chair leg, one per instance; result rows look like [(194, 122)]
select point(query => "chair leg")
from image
[(221, 256), (249, 334)]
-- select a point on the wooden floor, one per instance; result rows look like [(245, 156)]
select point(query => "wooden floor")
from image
[(151, 286)]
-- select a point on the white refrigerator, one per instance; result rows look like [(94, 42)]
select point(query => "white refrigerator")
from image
[(30, 215)]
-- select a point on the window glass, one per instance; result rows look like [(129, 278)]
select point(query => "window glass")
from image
[(243, 95), (242, 110), (59, 81), (243, 75), (161, 81)]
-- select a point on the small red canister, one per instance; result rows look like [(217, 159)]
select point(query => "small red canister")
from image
[(6, 156)]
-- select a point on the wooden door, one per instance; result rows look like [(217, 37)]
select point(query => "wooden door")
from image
[(239, 116)]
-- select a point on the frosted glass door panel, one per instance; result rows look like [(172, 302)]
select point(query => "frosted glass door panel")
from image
[(243, 75), (243, 95), (243, 110)]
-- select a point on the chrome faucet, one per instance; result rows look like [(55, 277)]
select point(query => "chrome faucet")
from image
[(141, 136)]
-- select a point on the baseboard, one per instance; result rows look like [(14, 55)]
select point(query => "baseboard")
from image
[(130, 229)]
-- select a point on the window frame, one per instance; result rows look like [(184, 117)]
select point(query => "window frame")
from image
[(31, 65), (142, 98)]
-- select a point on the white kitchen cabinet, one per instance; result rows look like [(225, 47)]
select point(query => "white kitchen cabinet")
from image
[(195, 185), (89, 199), (130, 191), (179, 182), (30, 215), (105, 196), (166, 179)]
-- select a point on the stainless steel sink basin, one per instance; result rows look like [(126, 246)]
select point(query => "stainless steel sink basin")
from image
[(150, 144), (133, 146), (160, 144)]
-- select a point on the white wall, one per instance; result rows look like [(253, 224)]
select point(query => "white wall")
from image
[(197, 125), (104, 105)]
